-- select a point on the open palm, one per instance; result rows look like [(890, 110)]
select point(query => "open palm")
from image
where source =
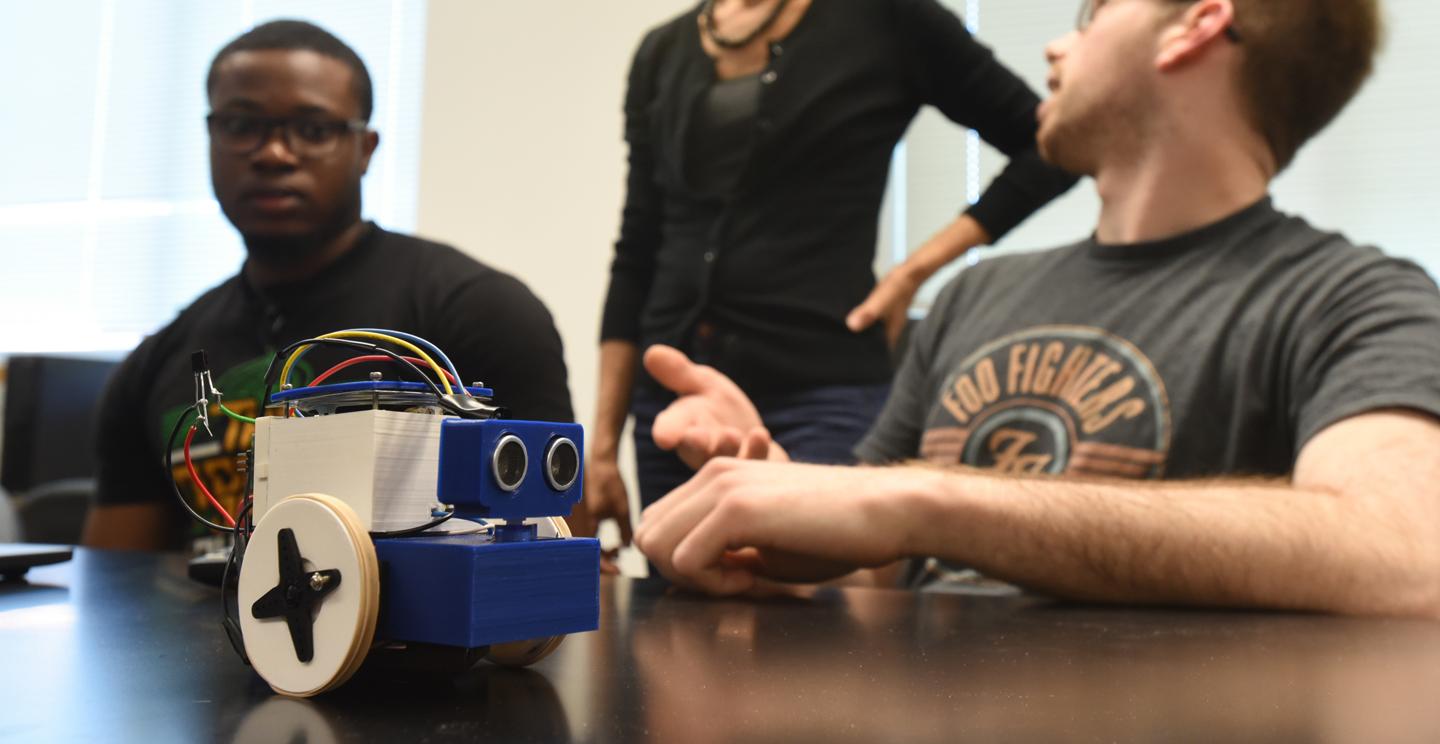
[(711, 417)]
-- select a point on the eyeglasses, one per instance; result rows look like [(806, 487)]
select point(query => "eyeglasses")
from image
[(304, 136), (1088, 9)]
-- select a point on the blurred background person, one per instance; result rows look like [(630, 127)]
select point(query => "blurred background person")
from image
[(760, 136)]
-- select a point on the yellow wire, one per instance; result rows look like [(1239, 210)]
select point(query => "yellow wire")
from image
[(295, 355)]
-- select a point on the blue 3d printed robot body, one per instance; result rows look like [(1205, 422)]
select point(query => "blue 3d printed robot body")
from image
[(381, 519)]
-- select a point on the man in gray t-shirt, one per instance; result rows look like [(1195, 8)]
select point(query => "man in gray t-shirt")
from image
[(1218, 352), (1276, 387)]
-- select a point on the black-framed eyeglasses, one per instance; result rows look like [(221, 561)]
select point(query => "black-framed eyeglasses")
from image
[(1088, 9), (305, 136)]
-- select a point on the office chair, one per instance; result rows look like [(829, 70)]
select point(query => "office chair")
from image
[(48, 459)]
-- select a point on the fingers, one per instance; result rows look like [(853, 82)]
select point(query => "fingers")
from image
[(666, 521), (622, 520), (877, 305), (895, 324), (605, 498), (671, 368), (864, 314), (756, 445), (707, 399), (616, 501), (663, 523), (702, 444), (699, 560), (671, 424), (608, 564), (685, 534), (580, 520), (674, 423), (746, 558), (740, 521), (889, 300)]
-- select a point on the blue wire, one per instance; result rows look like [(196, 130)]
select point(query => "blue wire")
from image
[(421, 342)]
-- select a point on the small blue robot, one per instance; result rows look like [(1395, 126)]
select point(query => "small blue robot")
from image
[(391, 514)]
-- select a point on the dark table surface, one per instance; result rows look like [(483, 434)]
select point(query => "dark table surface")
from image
[(122, 647)]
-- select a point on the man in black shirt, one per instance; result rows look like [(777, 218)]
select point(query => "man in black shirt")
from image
[(1286, 380), (289, 145)]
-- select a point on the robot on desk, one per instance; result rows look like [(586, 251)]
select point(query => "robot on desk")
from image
[(387, 513)]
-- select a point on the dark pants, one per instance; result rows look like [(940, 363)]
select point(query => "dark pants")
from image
[(821, 425)]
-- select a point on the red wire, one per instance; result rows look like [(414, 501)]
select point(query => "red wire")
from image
[(195, 478), (378, 358)]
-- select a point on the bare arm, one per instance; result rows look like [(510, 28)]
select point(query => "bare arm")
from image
[(127, 527), (618, 360), (605, 494), (1357, 530)]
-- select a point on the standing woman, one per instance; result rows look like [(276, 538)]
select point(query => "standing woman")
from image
[(760, 134)]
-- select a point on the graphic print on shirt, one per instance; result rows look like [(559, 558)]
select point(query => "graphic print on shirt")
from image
[(1053, 399)]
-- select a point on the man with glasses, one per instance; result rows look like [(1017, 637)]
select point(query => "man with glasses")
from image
[(1206, 402), (289, 145)]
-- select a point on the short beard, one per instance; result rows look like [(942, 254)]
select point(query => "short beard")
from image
[(1086, 142), (291, 250), (1071, 149)]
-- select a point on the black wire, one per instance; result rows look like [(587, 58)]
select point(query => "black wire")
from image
[(170, 472), (237, 549), (408, 531), (240, 520)]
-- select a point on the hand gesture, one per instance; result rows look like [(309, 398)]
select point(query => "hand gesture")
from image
[(712, 417)]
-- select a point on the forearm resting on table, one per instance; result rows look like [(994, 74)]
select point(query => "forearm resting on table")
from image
[(1340, 537)]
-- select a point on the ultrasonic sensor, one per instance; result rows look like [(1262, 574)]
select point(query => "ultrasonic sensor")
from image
[(509, 462), (562, 464)]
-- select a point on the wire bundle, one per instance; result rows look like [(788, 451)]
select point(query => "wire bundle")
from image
[(403, 340), (444, 381)]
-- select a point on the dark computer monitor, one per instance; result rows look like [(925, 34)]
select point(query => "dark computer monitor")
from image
[(49, 433)]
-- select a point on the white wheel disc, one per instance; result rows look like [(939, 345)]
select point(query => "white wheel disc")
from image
[(329, 536)]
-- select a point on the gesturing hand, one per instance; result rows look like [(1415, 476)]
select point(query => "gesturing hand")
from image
[(712, 417)]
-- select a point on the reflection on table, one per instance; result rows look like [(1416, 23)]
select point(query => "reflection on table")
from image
[(121, 647)]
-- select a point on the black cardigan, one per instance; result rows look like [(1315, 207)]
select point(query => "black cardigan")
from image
[(778, 264)]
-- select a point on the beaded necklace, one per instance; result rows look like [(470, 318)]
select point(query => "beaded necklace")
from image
[(707, 21)]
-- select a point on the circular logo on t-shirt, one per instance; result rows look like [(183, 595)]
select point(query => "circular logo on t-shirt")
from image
[(1053, 399)]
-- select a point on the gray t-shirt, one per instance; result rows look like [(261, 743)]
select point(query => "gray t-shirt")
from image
[(1218, 352)]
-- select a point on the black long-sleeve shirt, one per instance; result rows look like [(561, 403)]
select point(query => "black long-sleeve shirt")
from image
[(778, 263)]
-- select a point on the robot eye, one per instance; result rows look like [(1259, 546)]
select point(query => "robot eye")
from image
[(509, 462), (562, 464)]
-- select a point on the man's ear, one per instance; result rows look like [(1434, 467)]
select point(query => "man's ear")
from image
[(1194, 31), (369, 141)]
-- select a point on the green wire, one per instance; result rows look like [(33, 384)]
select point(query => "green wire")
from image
[(235, 415)]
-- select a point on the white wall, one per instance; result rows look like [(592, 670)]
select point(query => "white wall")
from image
[(523, 162), (1369, 175)]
